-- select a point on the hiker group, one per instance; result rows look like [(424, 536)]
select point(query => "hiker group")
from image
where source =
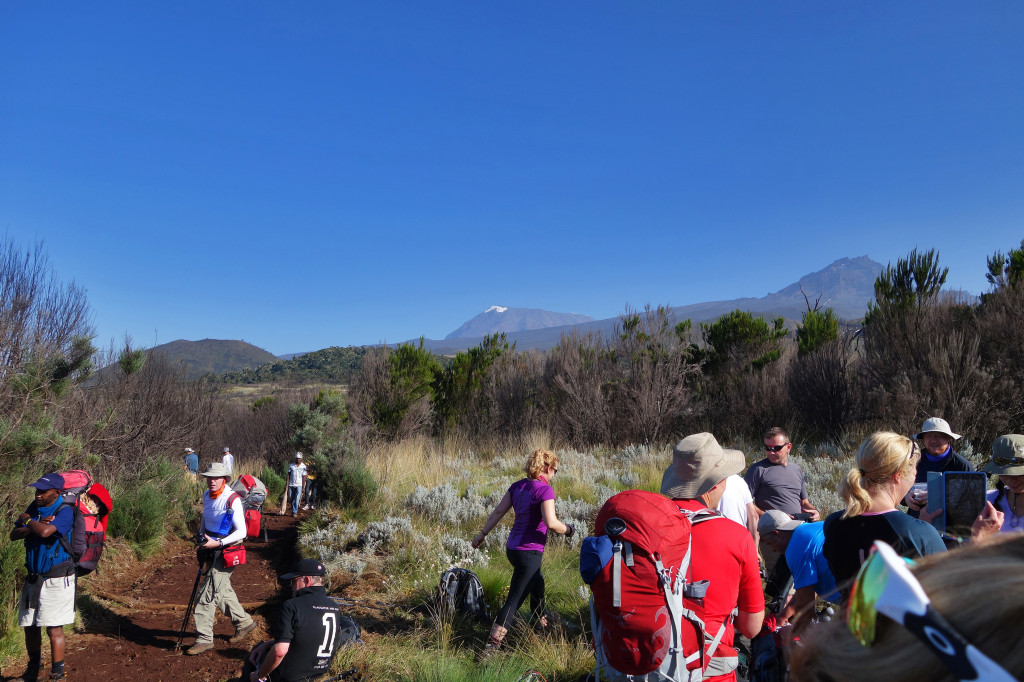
[(64, 529), (676, 575)]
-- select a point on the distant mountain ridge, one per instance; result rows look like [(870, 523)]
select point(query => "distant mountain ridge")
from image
[(501, 319), (846, 285)]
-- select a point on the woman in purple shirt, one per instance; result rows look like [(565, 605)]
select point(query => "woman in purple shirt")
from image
[(534, 504)]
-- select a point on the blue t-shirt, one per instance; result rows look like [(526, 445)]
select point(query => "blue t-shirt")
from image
[(192, 462), (529, 532), (806, 558), (42, 554)]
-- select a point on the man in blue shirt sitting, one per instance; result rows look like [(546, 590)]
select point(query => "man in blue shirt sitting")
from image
[(802, 545), (48, 595)]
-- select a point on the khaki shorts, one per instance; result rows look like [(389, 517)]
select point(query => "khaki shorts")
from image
[(47, 602)]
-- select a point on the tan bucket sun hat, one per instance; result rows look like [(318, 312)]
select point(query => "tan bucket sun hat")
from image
[(699, 463), (217, 470), (936, 425)]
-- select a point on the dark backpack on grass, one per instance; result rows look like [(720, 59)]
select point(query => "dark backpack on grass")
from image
[(460, 591), (91, 504)]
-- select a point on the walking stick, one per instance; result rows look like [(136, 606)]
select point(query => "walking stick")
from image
[(191, 602)]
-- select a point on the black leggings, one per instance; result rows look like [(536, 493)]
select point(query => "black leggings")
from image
[(526, 580)]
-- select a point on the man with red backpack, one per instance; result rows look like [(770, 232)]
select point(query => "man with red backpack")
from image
[(48, 594), (721, 553)]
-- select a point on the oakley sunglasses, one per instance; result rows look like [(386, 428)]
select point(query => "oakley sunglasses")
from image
[(885, 585)]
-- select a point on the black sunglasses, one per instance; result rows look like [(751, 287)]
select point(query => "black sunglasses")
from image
[(1007, 461), (775, 448)]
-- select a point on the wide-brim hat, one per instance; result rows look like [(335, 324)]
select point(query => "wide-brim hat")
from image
[(217, 470), (1007, 456), (699, 463), (936, 425)]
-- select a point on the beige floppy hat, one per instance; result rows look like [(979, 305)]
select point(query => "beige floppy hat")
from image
[(699, 463), (936, 425), (1007, 456)]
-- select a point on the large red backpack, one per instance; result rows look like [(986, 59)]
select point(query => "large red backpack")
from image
[(253, 494), (637, 566), (91, 504)]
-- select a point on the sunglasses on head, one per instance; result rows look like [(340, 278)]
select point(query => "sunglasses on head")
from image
[(885, 585), (775, 448), (1007, 461)]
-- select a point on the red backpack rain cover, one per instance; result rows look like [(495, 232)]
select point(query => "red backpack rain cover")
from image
[(637, 635), (92, 505)]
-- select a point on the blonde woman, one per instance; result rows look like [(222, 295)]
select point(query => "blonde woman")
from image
[(979, 590), (534, 504), (885, 470)]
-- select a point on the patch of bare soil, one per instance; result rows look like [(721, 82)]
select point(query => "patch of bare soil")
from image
[(133, 614)]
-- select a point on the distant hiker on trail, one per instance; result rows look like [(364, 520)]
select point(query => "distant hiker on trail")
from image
[(228, 460), (312, 487), (296, 481), (191, 461), (534, 504), (722, 552), (309, 633), (48, 594), (223, 524)]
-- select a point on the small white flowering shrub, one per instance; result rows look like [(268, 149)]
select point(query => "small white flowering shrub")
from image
[(445, 504)]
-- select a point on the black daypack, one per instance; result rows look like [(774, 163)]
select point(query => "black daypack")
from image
[(460, 591)]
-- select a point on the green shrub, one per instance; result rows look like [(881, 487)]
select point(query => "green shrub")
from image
[(355, 485), (273, 481), (138, 517)]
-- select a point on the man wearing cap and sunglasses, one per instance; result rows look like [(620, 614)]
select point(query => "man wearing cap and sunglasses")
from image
[(309, 632), (48, 594), (938, 455)]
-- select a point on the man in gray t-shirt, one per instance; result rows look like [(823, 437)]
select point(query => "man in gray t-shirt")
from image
[(777, 483)]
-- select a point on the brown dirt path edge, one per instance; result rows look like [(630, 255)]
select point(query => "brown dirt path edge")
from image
[(132, 636)]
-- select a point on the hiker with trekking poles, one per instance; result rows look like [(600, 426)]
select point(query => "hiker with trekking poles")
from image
[(222, 530), (534, 503)]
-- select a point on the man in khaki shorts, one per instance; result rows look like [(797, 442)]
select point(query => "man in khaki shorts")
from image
[(48, 594)]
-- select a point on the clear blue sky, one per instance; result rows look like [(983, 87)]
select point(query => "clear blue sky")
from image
[(301, 175)]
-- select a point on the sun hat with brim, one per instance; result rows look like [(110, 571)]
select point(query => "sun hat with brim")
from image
[(217, 470), (305, 567), (936, 425), (699, 463), (774, 519), (1007, 456)]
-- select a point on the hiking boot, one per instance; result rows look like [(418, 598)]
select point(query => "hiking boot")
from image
[(57, 676), (30, 675), (488, 651), (199, 648), (306, 508), (242, 632)]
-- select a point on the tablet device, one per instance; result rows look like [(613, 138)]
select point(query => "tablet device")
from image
[(961, 495)]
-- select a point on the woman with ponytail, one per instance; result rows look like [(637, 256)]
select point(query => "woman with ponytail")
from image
[(885, 470)]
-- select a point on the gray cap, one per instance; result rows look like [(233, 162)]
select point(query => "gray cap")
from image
[(774, 519), (699, 463)]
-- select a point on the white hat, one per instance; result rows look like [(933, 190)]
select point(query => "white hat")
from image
[(298, 455), (217, 470), (937, 425)]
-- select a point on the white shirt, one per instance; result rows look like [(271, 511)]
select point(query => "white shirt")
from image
[(296, 472), (229, 462), (215, 512), (735, 500)]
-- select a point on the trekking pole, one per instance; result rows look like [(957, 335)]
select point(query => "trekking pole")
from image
[(191, 604)]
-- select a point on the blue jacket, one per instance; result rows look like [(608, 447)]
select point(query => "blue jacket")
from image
[(42, 554)]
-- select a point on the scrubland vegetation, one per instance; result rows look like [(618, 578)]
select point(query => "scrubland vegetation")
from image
[(416, 453)]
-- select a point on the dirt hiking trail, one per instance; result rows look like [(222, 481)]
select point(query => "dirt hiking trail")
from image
[(133, 614)]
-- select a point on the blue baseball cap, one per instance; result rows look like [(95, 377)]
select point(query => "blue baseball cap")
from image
[(49, 482)]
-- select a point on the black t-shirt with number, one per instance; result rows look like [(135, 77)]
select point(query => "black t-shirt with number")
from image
[(310, 623)]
